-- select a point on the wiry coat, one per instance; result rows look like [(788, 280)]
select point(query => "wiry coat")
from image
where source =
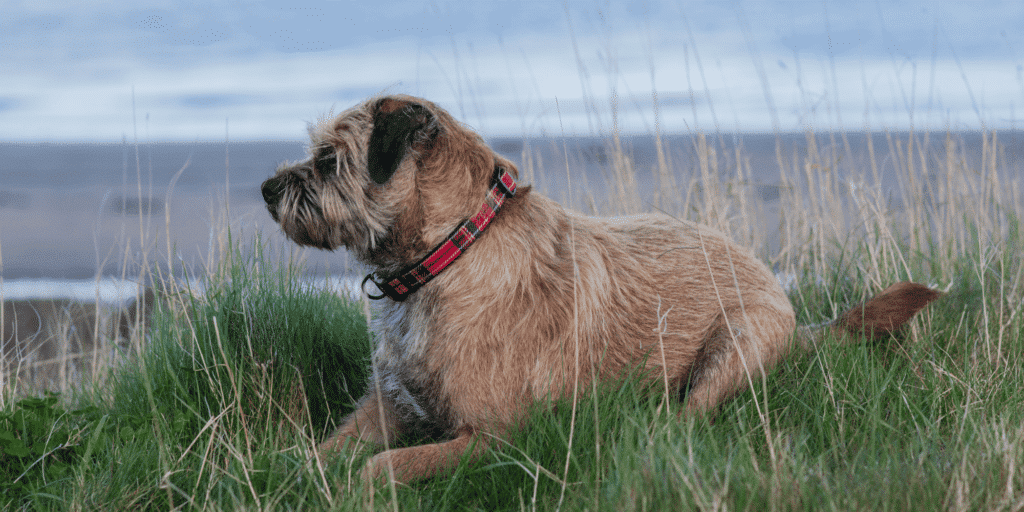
[(545, 299)]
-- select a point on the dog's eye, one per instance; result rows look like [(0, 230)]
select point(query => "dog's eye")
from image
[(326, 165)]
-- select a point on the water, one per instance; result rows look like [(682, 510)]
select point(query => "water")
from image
[(78, 220), (107, 290)]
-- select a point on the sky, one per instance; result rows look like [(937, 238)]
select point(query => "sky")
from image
[(155, 70)]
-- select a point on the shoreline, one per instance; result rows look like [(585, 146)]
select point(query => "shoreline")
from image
[(74, 211), (116, 292)]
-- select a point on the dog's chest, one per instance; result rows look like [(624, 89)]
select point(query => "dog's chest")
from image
[(401, 364)]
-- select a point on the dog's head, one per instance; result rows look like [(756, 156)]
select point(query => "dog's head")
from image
[(388, 179)]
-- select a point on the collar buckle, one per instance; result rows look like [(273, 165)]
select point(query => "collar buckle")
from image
[(505, 181)]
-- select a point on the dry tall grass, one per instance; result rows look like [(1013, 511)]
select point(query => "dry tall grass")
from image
[(828, 203), (826, 207)]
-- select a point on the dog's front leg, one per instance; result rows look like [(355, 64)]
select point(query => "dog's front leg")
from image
[(425, 461), (373, 422)]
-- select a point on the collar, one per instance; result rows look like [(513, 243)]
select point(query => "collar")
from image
[(400, 285)]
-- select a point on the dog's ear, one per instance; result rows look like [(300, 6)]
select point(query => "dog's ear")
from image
[(397, 124)]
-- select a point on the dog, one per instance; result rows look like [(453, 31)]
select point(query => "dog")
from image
[(493, 297)]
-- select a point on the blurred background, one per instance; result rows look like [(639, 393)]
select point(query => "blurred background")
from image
[(133, 134)]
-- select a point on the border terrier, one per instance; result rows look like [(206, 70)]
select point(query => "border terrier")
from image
[(494, 297)]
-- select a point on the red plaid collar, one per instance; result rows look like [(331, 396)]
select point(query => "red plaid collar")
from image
[(401, 285)]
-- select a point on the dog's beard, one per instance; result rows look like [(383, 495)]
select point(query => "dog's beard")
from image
[(302, 218), (300, 211)]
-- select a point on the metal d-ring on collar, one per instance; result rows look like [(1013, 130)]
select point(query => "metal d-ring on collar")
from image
[(401, 285), (368, 294)]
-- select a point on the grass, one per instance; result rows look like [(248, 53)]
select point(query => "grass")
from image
[(232, 401), (232, 387)]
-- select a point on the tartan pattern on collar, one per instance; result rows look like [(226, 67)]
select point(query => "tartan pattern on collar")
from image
[(401, 285)]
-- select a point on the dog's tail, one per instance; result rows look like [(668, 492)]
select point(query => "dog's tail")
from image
[(874, 319)]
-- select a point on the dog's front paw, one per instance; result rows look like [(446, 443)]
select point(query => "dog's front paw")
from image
[(381, 468)]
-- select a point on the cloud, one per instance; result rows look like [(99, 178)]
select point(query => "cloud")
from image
[(207, 101), (7, 103), (505, 68)]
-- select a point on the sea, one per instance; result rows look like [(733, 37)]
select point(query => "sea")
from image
[(84, 221)]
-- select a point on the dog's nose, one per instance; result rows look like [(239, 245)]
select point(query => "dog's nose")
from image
[(271, 191)]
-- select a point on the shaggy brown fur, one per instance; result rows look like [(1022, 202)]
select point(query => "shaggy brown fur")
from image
[(546, 299)]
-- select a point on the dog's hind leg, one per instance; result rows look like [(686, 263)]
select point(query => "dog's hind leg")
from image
[(743, 345), (738, 348)]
